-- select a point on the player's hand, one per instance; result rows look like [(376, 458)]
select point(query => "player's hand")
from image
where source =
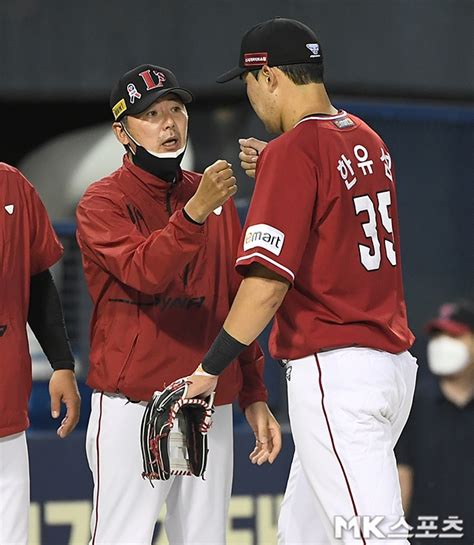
[(217, 185), (201, 384), (63, 388), (250, 149), (267, 433)]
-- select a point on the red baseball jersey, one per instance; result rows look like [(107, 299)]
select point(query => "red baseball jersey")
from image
[(324, 216), (28, 246)]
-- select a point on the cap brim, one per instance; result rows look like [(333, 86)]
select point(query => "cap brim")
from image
[(231, 74), (185, 95), (447, 326)]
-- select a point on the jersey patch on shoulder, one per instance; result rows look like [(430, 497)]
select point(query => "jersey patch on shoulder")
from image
[(264, 236), (344, 123)]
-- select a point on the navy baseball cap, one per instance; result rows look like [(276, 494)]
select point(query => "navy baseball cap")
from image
[(138, 88), (276, 42), (453, 318)]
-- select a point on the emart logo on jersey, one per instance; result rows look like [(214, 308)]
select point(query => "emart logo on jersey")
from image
[(264, 236)]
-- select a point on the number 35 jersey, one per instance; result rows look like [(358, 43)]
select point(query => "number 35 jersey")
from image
[(324, 217)]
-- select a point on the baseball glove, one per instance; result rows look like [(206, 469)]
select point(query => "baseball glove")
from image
[(174, 433)]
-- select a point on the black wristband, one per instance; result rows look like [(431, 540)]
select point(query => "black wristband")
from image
[(60, 365), (223, 351), (190, 219)]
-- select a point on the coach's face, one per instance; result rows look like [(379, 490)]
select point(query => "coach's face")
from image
[(161, 128), (262, 92)]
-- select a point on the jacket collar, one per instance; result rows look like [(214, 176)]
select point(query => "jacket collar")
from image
[(146, 181)]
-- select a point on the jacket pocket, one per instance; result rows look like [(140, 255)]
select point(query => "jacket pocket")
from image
[(195, 278), (127, 362)]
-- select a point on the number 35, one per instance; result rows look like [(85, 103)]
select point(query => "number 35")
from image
[(371, 257)]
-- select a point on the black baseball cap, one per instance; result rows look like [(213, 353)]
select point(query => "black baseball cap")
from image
[(138, 88), (453, 318), (276, 42)]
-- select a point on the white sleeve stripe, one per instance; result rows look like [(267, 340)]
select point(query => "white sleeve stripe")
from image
[(257, 254)]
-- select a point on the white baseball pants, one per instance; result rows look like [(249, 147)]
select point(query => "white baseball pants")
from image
[(126, 507), (14, 490), (347, 409)]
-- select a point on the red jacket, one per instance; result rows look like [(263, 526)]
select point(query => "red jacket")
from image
[(161, 286)]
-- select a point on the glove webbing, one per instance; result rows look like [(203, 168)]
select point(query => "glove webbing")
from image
[(151, 436)]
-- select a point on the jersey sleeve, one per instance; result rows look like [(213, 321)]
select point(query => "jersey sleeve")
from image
[(45, 248), (280, 215)]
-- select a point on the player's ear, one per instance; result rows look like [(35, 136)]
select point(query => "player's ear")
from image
[(269, 77), (186, 111), (120, 133)]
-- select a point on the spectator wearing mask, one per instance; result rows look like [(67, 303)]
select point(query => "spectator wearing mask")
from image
[(436, 450)]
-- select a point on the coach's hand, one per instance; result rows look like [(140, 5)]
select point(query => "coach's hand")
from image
[(63, 388), (217, 185), (250, 149), (267, 433)]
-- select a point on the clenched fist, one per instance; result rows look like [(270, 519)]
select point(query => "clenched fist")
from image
[(217, 185), (250, 149)]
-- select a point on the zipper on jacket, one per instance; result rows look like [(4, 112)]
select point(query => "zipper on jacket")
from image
[(168, 202)]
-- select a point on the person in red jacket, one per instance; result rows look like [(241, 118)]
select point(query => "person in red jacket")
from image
[(28, 247), (158, 245)]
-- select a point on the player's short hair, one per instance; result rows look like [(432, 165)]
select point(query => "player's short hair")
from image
[(302, 74), (299, 74)]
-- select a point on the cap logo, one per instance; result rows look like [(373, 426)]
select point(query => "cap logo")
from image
[(133, 93), (255, 59), (314, 48), (150, 82), (119, 108)]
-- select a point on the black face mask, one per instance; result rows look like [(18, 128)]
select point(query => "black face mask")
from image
[(160, 165), (165, 168)]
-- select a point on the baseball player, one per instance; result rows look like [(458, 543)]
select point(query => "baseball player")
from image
[(321, 251), (158, 245), (28, 247)]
